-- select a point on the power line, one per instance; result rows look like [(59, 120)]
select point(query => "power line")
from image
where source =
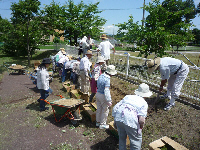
[(119, 9), (4, 9)]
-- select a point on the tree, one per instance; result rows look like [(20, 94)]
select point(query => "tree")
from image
[(6, 29), (76, 20), (52, 19), (162, 28), (196, 33), (27, 24), (178, 25)]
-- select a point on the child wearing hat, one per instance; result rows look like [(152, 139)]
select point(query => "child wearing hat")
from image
[(43, 82), (96, 72)]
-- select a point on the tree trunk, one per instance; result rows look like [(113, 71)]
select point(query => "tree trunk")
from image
[(28, 50)]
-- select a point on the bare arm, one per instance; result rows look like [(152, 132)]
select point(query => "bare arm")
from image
[(141, 121), (113, 50), (163, 82)]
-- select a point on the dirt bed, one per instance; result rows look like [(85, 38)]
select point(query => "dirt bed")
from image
[(23, 126)]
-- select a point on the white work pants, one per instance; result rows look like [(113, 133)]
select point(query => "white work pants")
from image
[(102, 108), (175, 83), (85, 82)]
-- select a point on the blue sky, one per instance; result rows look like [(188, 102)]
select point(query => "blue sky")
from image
[(115, 11)]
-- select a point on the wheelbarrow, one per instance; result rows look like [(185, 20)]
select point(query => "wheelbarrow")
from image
[(67, 107)]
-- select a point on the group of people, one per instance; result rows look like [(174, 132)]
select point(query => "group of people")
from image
[(130, 113)]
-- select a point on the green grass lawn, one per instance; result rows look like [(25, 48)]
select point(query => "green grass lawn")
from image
[(6, 61), (46, 47)]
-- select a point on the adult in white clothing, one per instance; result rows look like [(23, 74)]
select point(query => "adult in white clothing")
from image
[(103, 97), (84, 72), (90, 41), (43, 82), (172, 70), (104, 47), (85, 45), (129, 117)]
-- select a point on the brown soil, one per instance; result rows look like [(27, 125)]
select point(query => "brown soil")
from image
[(67, 102), (23, 126)]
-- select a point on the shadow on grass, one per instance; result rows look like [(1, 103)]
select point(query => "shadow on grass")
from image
[(44, 54)]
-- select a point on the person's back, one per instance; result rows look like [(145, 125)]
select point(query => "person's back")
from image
[(105, 47), (102, 82)]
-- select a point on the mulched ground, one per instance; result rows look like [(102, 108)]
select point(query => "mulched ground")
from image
[(23, 126)]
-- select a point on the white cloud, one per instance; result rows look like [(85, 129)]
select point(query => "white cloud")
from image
[(196, 2), (110, 29)]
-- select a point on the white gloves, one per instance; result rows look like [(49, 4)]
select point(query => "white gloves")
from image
[(109, 103)]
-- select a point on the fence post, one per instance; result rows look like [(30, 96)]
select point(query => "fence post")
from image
[(128, 55)]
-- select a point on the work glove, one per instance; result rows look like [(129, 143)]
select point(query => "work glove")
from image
[(109, 103)]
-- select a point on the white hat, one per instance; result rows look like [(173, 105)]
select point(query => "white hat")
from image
[(143, 90), (111, 70), (153, 64), (100, 59)]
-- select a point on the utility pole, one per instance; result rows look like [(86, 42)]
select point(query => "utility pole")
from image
[(143, 14), (113, 31)]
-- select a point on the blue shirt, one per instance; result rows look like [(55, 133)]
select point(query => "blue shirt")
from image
[(102, 82), (129, 109)]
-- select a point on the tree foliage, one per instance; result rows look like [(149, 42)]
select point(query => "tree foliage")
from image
[(196, 33), (76, 20), (26, 34), (164, 26)]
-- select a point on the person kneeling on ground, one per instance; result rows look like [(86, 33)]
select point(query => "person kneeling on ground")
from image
[(173, 70), (129, 117), (103, 97)]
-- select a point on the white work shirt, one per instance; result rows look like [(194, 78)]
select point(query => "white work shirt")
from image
[(85, 65), (84, 43), (42, 79), (90, 41), (105, 47), (168, 66), (63, 60), (129, 109)]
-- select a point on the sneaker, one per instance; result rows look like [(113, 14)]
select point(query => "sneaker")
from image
[(103, 126), (168, 106), (97, 124)]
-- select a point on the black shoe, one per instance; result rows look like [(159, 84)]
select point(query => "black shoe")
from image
[(46, 108), (38, 100)]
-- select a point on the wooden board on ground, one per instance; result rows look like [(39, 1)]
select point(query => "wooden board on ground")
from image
[(94, 105), (165, 141)]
